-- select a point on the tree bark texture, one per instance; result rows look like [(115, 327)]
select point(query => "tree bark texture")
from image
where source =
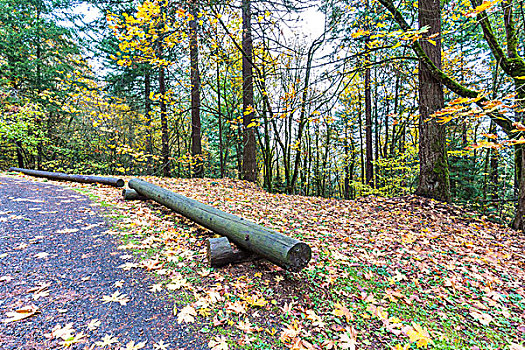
[(147, 116), (19, 154), (166, 171), (219, 117), (368, 121), (111, 181), (196, 148), (286, 252), (249, 160), (433, 169)]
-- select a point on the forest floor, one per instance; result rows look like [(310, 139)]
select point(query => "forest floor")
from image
[(394, 273)]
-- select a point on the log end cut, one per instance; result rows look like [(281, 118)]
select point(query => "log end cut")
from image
[(298, 257), (119, 183)]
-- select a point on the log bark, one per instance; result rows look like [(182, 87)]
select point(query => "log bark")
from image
[(221, 253), (131, 195), (111, 181), (286, 252)]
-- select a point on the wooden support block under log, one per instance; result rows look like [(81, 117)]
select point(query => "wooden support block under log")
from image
[(131, 195), (286, 252), (221, 253), (111, 181)]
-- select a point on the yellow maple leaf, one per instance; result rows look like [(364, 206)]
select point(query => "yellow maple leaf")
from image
[(341, 310), (419, 335), (256, 301), (485, 6)]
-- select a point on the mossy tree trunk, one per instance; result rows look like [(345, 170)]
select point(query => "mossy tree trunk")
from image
[(433, 169), (510, 61)]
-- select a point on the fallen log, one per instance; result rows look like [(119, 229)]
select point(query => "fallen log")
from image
[(131, 195), (220, 253), (286, 252), (111, 181)]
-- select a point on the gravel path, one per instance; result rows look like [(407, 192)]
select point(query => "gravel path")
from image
[(55, 255)]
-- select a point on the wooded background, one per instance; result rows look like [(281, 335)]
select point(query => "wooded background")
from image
[(391, 98)]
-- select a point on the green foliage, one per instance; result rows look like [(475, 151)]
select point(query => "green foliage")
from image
[(396, 176)]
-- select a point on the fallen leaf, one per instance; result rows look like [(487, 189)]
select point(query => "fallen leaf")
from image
[(255, 300), (186, 315), (418, 334), (218, 343), (40, 294), (161, 345), (128, 266), (6, 278), (177, 283), (20, 314), (108, 340), (348, 340), (93, 324), (481, 317), (236, 307), (118, 284), (132, 346), (341, 310), (116, 297), (77, 338), (68, 230), (155, 287)]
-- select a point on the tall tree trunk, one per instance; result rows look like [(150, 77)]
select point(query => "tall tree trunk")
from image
[(519, 219), (249, 160), (518, 222), (196, 147), (361, 143), (368, 120), (377, 132), (268, 154), (164, 124), (326, 177), (346, 188), (396, 110), (433, 169), (219, 117), (147, 115), (19, 154)]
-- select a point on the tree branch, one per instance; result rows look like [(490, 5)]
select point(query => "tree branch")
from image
[(500, 120)]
